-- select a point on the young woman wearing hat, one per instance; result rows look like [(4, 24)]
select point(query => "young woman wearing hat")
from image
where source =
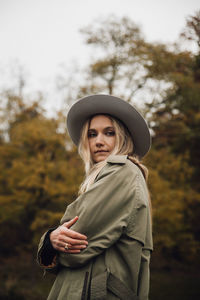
[(102, 248)]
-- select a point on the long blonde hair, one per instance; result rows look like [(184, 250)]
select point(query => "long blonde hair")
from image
[(123, 146)]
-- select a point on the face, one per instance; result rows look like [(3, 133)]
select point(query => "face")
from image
[(101, 137)]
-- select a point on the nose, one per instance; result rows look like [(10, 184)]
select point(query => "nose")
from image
[(99, 140)]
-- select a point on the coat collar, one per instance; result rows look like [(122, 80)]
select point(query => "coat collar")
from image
[(117, 159)]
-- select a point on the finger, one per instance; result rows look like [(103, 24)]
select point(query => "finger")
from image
[(59, 245), (77, 247), (70, 246), (71, 222), (72, 251), (62, 249), (75, 235), (73, 241)]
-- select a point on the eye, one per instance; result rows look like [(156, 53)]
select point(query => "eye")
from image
[(91, 134), (110, 133)]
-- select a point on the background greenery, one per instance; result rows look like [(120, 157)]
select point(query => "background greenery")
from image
[(41, 171)]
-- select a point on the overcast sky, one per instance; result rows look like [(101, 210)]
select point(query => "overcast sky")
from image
[(42, 34)]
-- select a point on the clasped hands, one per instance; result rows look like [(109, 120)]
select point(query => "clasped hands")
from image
[(67, 240)]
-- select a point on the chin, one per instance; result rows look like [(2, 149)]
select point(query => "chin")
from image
[(101, 158)]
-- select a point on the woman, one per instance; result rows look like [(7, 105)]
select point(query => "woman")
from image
[(102, 248)]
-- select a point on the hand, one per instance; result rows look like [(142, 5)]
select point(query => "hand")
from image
[(64, 235)]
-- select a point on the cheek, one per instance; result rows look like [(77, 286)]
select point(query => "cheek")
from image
[(112, 144), (91, 145)]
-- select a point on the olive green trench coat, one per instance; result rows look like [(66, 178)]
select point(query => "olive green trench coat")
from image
[(115, 216)]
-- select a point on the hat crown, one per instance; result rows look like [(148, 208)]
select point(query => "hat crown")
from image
[(91, 105)]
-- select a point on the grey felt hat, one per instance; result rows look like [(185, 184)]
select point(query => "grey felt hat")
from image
[(88, 106)]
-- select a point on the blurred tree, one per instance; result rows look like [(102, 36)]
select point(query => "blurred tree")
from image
[(39, 175), (125, 64), (177, 116), (192, 30), (120, 57), (172, 195), (176, 126), (40, 168)]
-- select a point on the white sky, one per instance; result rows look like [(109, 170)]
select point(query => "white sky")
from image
[(42, 34)]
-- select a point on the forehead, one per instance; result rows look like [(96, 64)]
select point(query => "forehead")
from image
[(100, 120)]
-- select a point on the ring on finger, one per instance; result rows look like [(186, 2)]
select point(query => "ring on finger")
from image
[(66, 246)]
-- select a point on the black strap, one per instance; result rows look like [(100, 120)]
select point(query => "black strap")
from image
[(117, 287), (104, 281), (84, 291)]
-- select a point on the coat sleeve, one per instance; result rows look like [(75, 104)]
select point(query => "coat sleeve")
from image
[(103, 211)]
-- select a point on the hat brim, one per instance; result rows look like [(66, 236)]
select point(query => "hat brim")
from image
[(88, 106)]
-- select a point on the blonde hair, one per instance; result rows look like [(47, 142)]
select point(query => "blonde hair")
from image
[(123, 146)]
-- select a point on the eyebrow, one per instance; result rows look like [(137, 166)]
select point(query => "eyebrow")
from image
[(106, 128)]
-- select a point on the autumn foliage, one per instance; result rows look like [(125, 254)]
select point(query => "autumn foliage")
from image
[(41, 170)]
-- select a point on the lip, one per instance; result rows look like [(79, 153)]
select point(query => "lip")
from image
[(101, 151)]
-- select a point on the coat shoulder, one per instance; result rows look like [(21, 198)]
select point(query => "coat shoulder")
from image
[(120, 167), (124, 162)]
